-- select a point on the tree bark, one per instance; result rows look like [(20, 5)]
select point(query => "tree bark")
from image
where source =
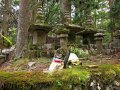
[(23, 26), (6, 16), (111, 2)]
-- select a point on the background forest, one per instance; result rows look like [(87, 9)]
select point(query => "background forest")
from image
[(34, 33), (104, 13)]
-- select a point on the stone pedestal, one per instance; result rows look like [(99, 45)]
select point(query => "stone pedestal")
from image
[(2, 59), (98, 39), (118, 39), (63, 40), (42, 37), (35, 38), (99, 46), (72, 38)]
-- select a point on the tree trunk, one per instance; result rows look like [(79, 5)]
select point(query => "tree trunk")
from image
[(111, 2), (0, 31), (23, 26), (6, 16)]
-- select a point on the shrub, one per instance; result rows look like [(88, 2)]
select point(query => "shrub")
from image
[(79, 52)]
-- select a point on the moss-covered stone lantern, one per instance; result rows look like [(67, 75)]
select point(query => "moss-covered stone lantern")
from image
[(62, 34), (73, 30), (116, 38), (98, 38), (88, 36), (67, 34), (88, 31), (38, 34)]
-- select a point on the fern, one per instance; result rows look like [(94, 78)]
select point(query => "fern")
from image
[(6, 39)]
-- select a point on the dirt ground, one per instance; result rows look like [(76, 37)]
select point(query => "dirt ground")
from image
[(43, 64)]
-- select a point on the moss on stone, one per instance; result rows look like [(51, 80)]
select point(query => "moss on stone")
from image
[(58, 80), (62, 31), (61, 79)]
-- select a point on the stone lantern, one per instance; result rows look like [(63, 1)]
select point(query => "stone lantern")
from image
[(73, 30), (63, 40), (118, 34), (39, 34), (98, 38), (62, 34), (117, 38), (88, 39)]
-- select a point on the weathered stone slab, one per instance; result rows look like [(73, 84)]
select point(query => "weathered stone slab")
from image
[(92, 66)]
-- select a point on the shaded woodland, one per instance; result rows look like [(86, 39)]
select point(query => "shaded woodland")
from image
[(34, 32)]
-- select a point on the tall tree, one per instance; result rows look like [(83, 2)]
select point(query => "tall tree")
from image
[(23, 26), (6, 16), (5, 9)]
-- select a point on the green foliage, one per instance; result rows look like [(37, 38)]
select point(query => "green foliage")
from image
[(115, 15), (84, 8), (104, 23), (109, 72), (50, 13), (79, 52), (115, 9), (6, 39), (15, 2), (107, 37), (12, 32)]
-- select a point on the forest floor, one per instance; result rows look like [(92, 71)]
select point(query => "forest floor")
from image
[(41, 64)]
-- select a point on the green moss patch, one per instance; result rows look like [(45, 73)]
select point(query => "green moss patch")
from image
[(24, 80), (61, 80), (62, 31), (109, 72)]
